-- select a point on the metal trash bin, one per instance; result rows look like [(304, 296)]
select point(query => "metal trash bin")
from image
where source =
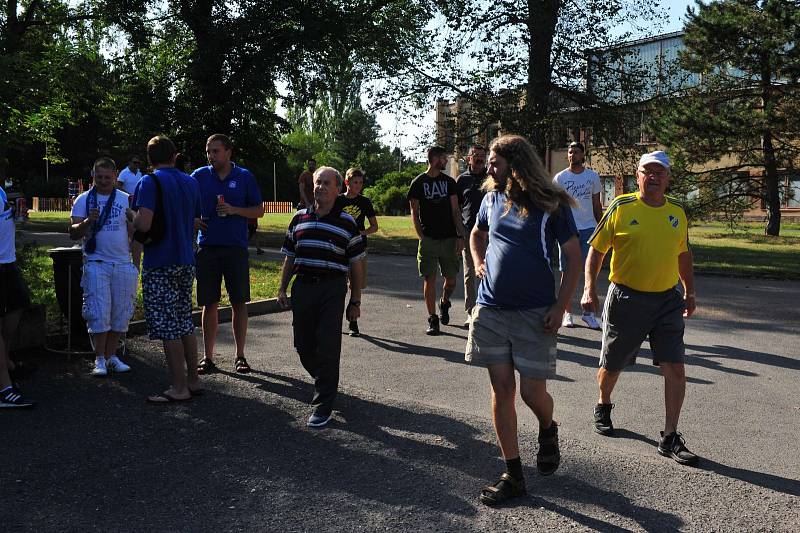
[(67, 272)]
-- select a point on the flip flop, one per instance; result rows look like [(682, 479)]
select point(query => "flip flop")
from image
[(164, 398)]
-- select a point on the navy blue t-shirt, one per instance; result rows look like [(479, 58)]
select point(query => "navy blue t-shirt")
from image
[(181, 197), (518, 273), (239, 189)]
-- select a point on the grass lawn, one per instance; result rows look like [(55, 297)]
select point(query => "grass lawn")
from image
[(741, 251)]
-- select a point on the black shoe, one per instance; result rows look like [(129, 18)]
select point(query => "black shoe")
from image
[(354, 329), (444, 311), (674, 446), (548, 457), (12, 398), (602, 418), (433, 325)]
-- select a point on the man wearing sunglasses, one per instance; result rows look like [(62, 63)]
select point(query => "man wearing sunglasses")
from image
[(129, 177)]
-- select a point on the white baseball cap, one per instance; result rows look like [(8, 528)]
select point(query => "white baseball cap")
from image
[(658, 157)]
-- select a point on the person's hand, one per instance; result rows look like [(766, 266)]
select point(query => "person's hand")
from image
[(200, 224), (94, 214), (283, 300), (480, 270), (552, 318), (225, 209), (589, 301), (691, 305), (353, 312), (459, 246)]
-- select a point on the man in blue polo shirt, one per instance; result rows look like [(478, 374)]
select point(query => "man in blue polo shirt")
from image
[(230, 196)]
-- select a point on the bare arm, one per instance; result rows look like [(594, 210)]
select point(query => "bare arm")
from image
[(572, 251), (478, 240), (79, 227), (373, 226), (255, 211), (597, 208), (594, 261), (303, 194), (686, 272), (414, 203), (286, 275), (455, 210), (143, 219), (353, 311)]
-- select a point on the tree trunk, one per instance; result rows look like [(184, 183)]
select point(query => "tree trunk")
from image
[(542, 21), (770, 165)]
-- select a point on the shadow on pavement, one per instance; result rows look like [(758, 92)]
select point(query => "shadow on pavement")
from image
[(730, 352)]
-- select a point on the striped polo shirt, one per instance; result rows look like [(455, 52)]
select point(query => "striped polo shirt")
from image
[(323, 245)]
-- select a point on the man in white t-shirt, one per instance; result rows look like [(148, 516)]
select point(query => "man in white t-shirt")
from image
[(14, 297), (130, 175), (102, 218), (583, 184)]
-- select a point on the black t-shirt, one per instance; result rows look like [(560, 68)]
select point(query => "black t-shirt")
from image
[(360, 208), (435, 213), (470, 197)]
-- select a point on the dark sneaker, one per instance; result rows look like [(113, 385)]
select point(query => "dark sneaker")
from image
[(12, 398), (602, 418), (674, 446), (444, 311), (318, 420), (354, 329), (548, 457), (433, 325)]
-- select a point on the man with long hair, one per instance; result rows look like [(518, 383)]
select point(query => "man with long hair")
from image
[(517, 314)]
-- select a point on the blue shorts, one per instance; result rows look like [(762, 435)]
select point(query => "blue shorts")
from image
[(583, 240), (167, 293)]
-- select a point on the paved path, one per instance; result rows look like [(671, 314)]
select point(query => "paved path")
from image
[(412, 441)]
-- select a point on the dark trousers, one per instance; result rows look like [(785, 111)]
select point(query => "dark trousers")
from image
[(317, 309)]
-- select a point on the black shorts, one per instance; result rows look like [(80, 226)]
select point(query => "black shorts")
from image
[(215, 263), (14, 294)]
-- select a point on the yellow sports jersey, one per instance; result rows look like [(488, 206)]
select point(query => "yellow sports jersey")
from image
[(646, 242)]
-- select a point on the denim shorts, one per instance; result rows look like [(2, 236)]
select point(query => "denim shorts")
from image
[(167, 295)]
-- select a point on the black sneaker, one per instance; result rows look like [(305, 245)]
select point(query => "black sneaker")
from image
[(433, 325), (548, 457), (602, 418), (11, 398), (444, 311), (674, 446), (354, 329)]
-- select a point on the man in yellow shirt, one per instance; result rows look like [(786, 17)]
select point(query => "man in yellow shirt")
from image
[(649, 236)]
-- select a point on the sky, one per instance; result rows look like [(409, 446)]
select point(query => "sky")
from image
[(412, 134)]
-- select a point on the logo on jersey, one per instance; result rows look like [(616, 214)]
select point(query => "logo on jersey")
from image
[(634, 222), (673, 221), (232, 185)]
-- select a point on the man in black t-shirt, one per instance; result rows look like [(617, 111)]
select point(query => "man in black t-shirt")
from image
[(360, 208), (470, 196), (437, 221)]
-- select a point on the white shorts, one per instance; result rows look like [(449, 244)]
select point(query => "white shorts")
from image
[(109, 295)]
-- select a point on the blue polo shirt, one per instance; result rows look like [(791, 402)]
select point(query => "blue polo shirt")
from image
[(239, 189), (181, 199), (518, 274)]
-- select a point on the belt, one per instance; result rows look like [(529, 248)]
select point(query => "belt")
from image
[(320, 278)]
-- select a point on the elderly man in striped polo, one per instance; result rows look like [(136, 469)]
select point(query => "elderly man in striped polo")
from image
[(322, 244)]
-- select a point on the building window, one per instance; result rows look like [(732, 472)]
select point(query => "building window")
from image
[(790, 192), (609, 191), (630, 184)]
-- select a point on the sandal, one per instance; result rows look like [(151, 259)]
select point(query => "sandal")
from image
[(241, 365), (503, 490), (206, 366), (548, 457)]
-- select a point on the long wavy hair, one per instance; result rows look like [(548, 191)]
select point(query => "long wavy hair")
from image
[(528, 184)]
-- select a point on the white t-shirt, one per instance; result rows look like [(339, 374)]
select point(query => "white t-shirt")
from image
[(112, 239), (129, 179), (7, 236), (581, 187)]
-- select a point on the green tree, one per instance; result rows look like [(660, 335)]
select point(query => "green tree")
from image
[(734, 135)]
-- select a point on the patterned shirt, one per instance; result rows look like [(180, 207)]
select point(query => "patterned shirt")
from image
[(323, 245)]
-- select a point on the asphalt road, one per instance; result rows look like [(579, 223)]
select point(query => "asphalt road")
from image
[(412, 441)]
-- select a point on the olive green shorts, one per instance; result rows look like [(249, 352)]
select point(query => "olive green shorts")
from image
[(438, 252)]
